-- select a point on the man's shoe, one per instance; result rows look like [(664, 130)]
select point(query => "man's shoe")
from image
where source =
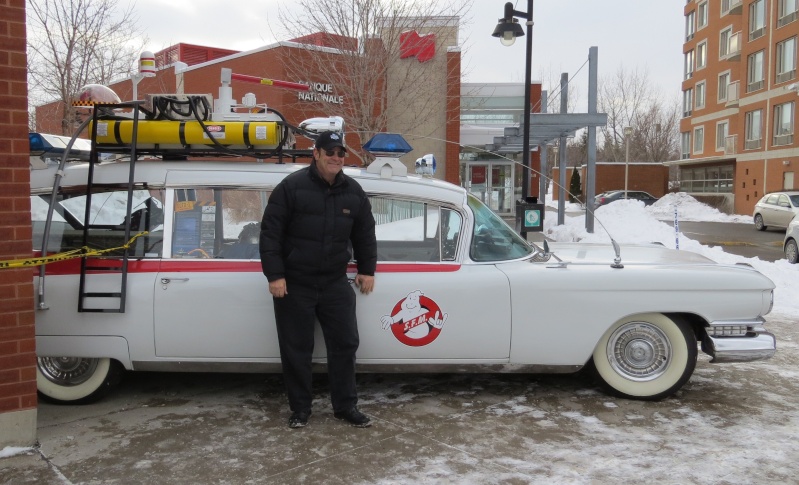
[(354, 417), (299, 419)]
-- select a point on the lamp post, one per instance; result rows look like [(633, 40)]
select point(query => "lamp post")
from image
[(628, 130), (507, 30)]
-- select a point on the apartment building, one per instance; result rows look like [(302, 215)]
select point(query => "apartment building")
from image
[(740, 91)]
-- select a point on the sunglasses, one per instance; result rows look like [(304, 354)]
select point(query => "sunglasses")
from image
[(338, 153)]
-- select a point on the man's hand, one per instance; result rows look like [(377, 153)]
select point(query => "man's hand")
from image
[(278, 288), (365, 282)]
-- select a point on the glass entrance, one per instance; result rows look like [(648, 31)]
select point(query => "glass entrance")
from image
[(492, 183)]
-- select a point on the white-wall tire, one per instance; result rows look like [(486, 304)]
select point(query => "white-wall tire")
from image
[(646, 357), (68, 380)]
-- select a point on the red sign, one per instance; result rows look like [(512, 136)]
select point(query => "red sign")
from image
[(423, 47)]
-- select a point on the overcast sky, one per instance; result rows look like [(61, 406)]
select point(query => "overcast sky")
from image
[(636, 34)]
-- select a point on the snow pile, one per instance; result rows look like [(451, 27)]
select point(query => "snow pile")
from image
[(689, 209)]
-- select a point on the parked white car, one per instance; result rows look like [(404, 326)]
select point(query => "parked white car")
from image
[(789, 244), (776, 210), (456, 288)]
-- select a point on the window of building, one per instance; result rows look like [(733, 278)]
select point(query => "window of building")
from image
[(701, 55), (687, 102), (786, 11), (717, 179), (783, 123), (754, 129), (689, 64), (725, 6), (699, 140), (724, 82), (786, 60), (690, 25), (755, 72), (724, 42), (722, 130), (685, 144), (700, 95), (757, 19), (701, 15)]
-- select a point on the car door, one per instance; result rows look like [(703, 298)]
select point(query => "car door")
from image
[(208, 305), (427, 306), (783, 211), (769, 210)]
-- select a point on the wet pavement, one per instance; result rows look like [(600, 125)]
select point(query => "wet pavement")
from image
[(731, 424)]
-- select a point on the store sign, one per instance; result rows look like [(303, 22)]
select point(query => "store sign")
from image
[(422, 47), (322, 92)]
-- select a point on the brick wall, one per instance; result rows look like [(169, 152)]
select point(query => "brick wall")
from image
[(17, 342), (649, 177)]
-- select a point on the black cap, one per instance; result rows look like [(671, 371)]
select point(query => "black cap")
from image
[(330, 139)]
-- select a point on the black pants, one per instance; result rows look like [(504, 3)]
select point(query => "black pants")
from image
[(296, 314)]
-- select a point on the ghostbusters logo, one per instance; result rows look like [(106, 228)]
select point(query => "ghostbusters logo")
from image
[(415, 320)]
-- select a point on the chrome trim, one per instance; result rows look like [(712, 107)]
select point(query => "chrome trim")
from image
[(740, 349), (749, 322)]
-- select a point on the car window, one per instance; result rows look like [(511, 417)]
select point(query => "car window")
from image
[(106, 223), (783, 201), (492, 238), (794, 200), (415, 231), (217, 223), (772, 199)]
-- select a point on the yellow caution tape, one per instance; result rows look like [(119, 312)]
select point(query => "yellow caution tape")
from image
[(75, 253)]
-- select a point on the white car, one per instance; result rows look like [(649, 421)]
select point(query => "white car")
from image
[(789, 244), (456, 288), (776, 210)]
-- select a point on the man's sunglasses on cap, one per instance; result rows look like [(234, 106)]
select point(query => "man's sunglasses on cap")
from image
[(339, 153)]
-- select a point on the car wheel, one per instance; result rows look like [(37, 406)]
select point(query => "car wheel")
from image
[(76, 380), (791, 251), (647, 357), (759, 225)]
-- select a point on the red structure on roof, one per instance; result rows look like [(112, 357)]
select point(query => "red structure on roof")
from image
[(190, 54)]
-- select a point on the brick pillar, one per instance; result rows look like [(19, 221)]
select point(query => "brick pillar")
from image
[(453, 108), (17, 336)]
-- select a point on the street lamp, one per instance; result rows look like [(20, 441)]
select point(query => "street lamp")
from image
[(507, 30), (628, 130)]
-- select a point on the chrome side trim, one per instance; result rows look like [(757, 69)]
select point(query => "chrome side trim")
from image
[(321, 367)]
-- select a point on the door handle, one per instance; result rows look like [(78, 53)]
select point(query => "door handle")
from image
[(166, 281)]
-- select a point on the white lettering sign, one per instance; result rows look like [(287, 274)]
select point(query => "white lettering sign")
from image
[(320, 92)]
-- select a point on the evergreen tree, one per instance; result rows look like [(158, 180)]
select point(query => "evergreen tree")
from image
[(575, 186)]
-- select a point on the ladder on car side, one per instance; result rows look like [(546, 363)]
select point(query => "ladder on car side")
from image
[(104, 278)]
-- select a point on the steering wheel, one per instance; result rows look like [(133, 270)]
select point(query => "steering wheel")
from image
[(202, 252)]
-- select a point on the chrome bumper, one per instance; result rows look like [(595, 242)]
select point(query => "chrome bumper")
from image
[(738, 341)]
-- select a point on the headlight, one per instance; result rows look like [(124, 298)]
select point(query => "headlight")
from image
[(770, 299)]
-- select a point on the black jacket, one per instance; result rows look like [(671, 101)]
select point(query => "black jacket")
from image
[(308, 226)]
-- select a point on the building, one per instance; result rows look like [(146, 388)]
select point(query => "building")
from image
[(739, 100), (426, 114)]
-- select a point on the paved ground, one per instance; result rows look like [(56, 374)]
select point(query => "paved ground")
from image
[(731, 424)]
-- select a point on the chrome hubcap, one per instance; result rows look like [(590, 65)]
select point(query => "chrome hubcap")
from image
[(639, 351), (67, 371), (791, 251)]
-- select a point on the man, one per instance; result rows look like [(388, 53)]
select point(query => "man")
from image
[(312, 217)]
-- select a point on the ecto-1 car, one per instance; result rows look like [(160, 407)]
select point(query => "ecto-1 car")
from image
[(456, 288)]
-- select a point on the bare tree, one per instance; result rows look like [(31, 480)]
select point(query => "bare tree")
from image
[(72, 43), (630, 99), (357, 47)]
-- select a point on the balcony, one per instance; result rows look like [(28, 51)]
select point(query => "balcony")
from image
[(736, 7), (734, 47), (730, 143), (733, 94)]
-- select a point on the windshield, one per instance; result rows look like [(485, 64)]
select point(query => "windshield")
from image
[(493, 239)]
